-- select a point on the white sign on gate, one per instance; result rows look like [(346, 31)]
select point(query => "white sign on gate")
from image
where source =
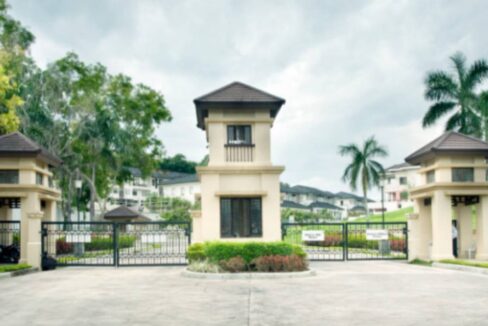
[(73, 237), (153, 238), (313, 235), (379, 234)]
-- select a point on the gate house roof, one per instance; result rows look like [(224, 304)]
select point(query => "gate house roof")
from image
[(450, 142), (17, 144), (239, 95)]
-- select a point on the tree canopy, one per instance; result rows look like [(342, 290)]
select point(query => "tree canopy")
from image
[(98, 123)]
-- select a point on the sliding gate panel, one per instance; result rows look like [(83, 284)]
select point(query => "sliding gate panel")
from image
[(115, 244), (321, 241), (377, 241), (152, 243), (79, 243)]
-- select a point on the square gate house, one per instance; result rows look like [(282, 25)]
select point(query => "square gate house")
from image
[(240, 187)]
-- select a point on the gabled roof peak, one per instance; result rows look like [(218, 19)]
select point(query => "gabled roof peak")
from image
[(236, 95)]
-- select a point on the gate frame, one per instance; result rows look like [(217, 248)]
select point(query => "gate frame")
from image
[(187, 233), (115, 238), (345, 237)]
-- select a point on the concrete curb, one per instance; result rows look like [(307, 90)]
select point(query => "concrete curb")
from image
[(247, 276), (454, 267), (18, 273)]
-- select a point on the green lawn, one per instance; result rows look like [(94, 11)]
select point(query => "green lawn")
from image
[(465, 263), (391, 216), (12, 268)]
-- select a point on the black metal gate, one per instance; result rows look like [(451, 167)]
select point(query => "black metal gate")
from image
[(115, 244), (349, 241), (329, 247)]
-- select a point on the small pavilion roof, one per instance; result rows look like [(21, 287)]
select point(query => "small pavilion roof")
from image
[(123, 212)]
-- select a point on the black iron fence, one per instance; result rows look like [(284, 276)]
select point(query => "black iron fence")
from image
[(351, 241), (9, 241), (115, 244)]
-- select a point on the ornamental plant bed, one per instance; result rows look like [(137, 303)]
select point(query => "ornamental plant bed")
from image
[(232, 257)]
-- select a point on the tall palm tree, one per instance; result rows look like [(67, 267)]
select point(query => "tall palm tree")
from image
[(363, 167), (456, 94), (483, 107)]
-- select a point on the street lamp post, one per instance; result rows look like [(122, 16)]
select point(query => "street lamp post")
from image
[(79, 247), (78, 185), (382, 187)]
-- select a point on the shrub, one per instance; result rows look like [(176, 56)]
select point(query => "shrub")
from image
[(106, 243), (218, 251), (233, 265), (277, 263), (195, 252), (63, 247), (204, 266)]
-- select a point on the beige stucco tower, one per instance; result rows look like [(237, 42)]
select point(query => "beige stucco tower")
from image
[(240, 188), (26, 182), (451, 203)]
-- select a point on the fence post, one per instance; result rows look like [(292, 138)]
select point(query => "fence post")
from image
[(115, 234), (346, 239), (34, 246)]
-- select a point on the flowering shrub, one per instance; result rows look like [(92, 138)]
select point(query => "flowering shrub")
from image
[(63, 247), (278, 263)]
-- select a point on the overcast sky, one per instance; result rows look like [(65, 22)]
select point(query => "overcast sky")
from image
[(347, 69)]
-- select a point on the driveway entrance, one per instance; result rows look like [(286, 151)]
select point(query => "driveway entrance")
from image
[(352, 293)]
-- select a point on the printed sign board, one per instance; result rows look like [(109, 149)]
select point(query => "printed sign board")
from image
[(313, 235), (376, 234), (73, 237), (153, 238)]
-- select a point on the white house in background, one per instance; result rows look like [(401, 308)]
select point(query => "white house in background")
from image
[(133, 193), (340, 204), (184, 187)]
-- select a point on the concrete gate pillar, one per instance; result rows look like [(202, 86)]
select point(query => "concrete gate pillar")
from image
[(482, 229), (441, 226), (30, 232), (420, 231), (465, 230)]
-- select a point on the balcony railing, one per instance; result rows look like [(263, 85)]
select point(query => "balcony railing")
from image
[(239, 152)]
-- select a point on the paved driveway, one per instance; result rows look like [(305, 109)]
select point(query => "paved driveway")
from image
[(351, 293)]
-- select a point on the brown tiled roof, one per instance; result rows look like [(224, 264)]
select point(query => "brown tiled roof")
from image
[(122, 212), (449, 142), (18, 144), (238, 94)]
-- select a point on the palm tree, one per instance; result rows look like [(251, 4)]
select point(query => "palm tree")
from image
[(483, 107), (456, 93), (363, 167)]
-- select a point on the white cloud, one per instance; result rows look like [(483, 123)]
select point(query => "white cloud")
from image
[(348, 70)]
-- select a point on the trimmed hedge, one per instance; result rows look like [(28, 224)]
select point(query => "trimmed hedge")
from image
[(217, 251)]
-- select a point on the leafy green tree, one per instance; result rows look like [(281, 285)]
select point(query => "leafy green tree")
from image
[(363, 169), (9, 102), (178, 163), (456, 94)]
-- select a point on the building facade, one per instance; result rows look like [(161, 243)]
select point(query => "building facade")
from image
[(451, 200), (240, 187)]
